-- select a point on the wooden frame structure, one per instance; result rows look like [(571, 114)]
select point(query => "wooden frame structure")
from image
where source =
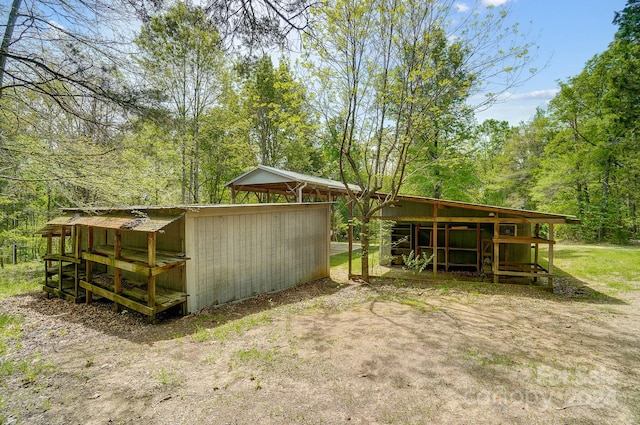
[(150, 259), (124, 273), (495, 253), (501, 254), (293, 186)]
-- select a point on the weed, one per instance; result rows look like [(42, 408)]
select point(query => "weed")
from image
[(169, 378), (201, 334), (240, 326), (255, 355)]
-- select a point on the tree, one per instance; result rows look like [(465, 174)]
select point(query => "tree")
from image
[(490, 139), (282, 126), (58, 49), (597, 144), (387, 69), (181, 54)]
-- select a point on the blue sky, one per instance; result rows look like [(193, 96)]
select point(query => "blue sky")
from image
[(570, 33)]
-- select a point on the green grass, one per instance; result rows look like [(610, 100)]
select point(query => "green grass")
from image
[(616, 267), (21, 278), (169, 378), (230, 328), (10, 331), (341, 261)]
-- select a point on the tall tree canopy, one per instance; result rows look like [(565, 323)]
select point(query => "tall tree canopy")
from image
[(181, 54), (392, 74)]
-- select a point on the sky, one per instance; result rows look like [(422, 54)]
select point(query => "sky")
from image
[(570, 32)]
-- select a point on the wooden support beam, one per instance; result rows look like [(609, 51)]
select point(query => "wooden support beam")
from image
[(49, 249), (536, 253), (435, 242), (151, 280), (506, 220), (117, 274), (116, 298), (495, 266), (63, 233), (446, 247), (551, 242), (479, 247)]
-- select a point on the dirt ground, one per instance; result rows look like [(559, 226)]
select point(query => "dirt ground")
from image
[(397, 351)]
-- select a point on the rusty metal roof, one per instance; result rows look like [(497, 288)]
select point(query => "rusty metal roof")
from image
[(133, 220)]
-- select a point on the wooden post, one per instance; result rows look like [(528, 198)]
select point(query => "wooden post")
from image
[(117, 274), (151, 279), (77, 241), (49, 248), (478, 248), (89, 264), (550, 279), (446, 246), (496, 252), (435, 240), (536, 252), (63, 235)]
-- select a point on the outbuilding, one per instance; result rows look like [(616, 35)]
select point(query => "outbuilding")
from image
[(149, 259), (491, 240)]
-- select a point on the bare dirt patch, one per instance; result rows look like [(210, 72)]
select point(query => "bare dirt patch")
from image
[(394, 352)]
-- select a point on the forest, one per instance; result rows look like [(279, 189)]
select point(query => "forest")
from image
[(136, 102)]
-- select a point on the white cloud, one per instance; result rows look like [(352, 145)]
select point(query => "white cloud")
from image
[(547, 94), (462, 7), (495, 2), (515, 108)]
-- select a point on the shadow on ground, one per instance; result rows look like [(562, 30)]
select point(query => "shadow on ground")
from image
[(133, 326)]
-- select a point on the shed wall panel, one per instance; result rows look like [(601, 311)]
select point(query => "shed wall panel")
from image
[(236, 256)]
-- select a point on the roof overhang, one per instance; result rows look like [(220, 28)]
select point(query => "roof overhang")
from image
[(494, 213), (263, 179), (147, 221)]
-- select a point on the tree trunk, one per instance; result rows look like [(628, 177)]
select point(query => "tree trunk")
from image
[(364, 242), (604, 205), (6, 39)]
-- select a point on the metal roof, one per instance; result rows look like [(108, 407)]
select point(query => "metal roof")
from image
[(135, 220), (263, 177), (488, 208)]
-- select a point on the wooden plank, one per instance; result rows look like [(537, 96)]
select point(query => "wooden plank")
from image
[(429, 219), (119, 299), (57, 257), (163, 262), (129, 266), (522, 239), (524, 274), (62, 294)]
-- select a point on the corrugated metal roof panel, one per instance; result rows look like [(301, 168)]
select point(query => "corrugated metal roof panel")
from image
[(133, 220), (269, 175)]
